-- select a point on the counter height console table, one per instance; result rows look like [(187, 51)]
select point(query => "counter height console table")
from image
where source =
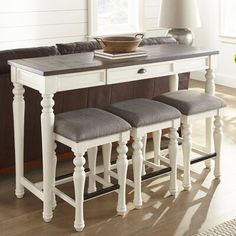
[(50, 75)]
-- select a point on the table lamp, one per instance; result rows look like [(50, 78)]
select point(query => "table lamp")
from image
[(179, 16)]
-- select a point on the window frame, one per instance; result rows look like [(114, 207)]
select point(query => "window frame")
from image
[(224, 35), (92, 20)]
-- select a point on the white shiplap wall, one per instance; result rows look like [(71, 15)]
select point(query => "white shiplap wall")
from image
[(28, 23)]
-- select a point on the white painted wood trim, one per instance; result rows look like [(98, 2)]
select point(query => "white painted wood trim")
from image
[(141, 131), (199, 116), (130, 73), (19, 121), (103, 181), (64, 197), (128, 181), (47, 126), (92, 162), (64, 82), (32, 188), (93, 142), (93, 21)]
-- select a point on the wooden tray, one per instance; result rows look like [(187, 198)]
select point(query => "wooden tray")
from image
[(120, 44)]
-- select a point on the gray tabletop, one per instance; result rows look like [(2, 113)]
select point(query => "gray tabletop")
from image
[(79, 62)]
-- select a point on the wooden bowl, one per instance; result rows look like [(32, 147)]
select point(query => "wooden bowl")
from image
[(120, 44)]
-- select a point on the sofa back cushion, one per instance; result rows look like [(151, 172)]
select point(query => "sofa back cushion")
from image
[(24, 53), (157, 40), (77, 47)]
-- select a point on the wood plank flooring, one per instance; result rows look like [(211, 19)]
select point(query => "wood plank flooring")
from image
[(209, 202)]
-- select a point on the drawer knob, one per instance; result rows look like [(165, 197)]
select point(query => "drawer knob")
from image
[(142, 71)]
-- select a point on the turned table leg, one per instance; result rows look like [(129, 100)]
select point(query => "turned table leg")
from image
[(47, 124), (19, 118), (218, 134), (210, 89), (54, 201)]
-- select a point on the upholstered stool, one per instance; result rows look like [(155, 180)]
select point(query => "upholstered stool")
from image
[(82, 130), (147, 116), (194, 105)]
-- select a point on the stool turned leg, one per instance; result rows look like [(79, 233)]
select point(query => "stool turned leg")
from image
[(187, 146), (157, 146), (137, 160), (54, 202), (122, 166), (173, 148), (79, 181), (218, 133), (209, 140), (106, 151), (144, 141), (92, 161)]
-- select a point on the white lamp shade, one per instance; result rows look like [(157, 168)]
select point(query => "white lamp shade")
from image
[(179, 14)]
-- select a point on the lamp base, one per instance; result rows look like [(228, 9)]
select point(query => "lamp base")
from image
[(183, 36)]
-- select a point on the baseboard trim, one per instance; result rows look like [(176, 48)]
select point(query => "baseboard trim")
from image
[(35, 164), (221, 79)]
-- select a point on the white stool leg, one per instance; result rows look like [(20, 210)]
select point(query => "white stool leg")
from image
[(137, 160), (106, 153), (173, 149), (79, 181), (92, 161), (157, 146), (19, 117), (187, 147), (54, 202), (209, 140), (122, 166), (144, 141), (218, 134)]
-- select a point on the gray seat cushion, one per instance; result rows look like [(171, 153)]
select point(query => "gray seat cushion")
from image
[(190, 102), (141, 112), (90, 123)]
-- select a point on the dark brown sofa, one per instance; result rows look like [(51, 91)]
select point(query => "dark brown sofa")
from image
[(65, 101)]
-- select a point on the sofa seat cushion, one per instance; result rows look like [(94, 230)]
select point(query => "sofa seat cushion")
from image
[(190, 102), (89, 123), (142, 112)]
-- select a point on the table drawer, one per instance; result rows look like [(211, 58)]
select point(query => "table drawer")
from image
[(191, 65), (81, 80), (139, 72)]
